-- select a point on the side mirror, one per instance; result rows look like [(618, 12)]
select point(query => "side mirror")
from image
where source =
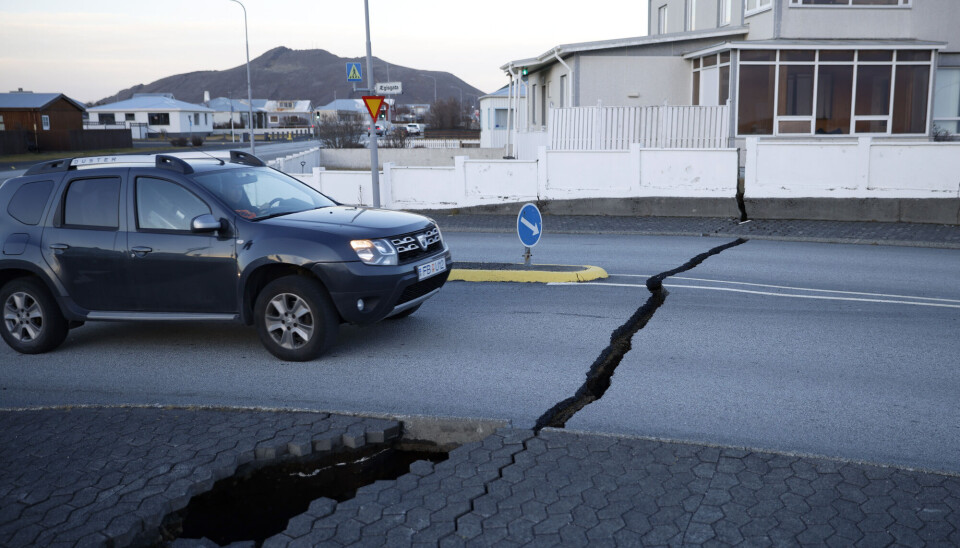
[(205, 223)]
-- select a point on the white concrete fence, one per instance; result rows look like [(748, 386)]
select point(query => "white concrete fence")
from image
[(855, 168), (554, 175)]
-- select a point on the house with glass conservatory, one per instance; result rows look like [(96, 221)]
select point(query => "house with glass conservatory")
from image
[(791, 68)]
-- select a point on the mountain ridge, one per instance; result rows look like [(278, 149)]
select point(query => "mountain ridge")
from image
[(315, 74)]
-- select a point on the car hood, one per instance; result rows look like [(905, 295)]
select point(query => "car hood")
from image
[(376, 222)]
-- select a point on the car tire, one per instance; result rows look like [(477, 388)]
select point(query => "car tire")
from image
[(32, 322), (405, 313), (296, 319)]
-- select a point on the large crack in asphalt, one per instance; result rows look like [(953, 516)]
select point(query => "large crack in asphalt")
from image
[(603, 368)]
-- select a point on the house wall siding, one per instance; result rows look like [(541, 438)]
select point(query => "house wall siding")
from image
[(635, 81), (762, 25)]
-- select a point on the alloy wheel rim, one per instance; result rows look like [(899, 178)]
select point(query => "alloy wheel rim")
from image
[(289, 321), (23, 317)]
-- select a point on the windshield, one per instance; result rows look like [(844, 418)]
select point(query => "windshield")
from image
[(259, 193)]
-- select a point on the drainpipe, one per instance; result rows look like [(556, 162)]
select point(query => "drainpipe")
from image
[(513, 118), (507, 150), (556, 54)]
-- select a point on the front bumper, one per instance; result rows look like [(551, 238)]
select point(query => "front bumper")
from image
[(384, 290)]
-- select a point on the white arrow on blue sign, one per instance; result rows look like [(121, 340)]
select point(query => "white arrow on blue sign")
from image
[(529, 225)]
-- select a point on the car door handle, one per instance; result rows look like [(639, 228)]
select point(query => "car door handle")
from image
[(141, 250), (59, 247)]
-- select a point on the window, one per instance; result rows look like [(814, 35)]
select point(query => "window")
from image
[(946, 103), (844, 3), (834, 92), (196, 118), (274, 119), (754, 6), (107, 118), (500, 118), (726, 12), (711, 79), (533, 104), (130, 117), (691, 14), (45, 120), (2, 126), (158, 118), (93, 203), (162, 205), (662, 20), (29, 201), (205, 122)]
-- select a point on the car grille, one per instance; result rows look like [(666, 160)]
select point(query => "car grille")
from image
[(409, 246), (419, 289)]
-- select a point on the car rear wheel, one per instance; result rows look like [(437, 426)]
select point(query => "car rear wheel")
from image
[(295, 319), (32, 321)]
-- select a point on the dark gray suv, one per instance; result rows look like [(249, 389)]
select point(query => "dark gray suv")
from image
[(169, 238)]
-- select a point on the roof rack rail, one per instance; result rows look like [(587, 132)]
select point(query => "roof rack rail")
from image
[(245, 158), (173, 164), (53, 166)]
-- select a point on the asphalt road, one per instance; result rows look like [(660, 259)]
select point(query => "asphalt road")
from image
[(853, 355)]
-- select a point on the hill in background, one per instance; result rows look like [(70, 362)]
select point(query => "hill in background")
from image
[(316, 74)]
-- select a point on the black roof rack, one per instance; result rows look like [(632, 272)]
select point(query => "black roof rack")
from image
[(245, 158), (53, 166), (173, 164)]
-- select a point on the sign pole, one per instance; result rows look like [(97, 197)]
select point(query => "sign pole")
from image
[(374, 159)]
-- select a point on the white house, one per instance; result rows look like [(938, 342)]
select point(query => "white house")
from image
[(788, 68), (152, 115), (288, 113), (352, 109), (496, 111), (226, 109)]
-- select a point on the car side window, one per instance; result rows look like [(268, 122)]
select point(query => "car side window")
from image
[(29, 201), (93, 203), (164, 205)]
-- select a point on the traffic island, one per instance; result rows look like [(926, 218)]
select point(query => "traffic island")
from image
[(519, 272)]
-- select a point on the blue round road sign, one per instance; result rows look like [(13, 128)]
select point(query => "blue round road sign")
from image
[(529, 225)]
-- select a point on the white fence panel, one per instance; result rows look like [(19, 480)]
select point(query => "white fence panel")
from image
[(500, 180), (614, 128), (861, 168)]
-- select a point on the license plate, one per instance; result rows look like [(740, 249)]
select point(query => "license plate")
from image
[(433, 267)]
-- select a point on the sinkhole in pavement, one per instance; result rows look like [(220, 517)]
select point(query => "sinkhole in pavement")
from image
[(255, 504)]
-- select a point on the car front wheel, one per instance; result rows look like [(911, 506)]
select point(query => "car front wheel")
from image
[(295, 319), (32, 321)]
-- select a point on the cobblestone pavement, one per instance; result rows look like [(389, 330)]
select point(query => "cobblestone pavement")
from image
[(903, 234), (101, 476)]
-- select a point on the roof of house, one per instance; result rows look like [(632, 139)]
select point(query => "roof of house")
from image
[(505, 91), (151, 102), (223, 104), (30, 100), (550, 56), (345, 104), (817, 44), (300, 105)]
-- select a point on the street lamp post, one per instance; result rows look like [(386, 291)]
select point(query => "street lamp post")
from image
[(246, 36)]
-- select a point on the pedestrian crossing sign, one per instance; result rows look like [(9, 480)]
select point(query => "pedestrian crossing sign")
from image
[(354, 74)]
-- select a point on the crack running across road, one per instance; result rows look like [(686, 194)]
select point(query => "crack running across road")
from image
[(603, 368)]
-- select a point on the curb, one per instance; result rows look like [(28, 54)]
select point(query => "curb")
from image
[(500, 272)]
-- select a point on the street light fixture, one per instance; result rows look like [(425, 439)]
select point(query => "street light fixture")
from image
[(246, 36)]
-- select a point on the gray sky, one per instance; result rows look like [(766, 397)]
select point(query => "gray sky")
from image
[(91, 49)]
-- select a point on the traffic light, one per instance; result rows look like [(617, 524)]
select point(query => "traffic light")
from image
[(524, 71)]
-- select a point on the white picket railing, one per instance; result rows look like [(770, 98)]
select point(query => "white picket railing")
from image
[(614, 128)]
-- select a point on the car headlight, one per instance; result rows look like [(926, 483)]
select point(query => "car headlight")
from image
[(379, 252)]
